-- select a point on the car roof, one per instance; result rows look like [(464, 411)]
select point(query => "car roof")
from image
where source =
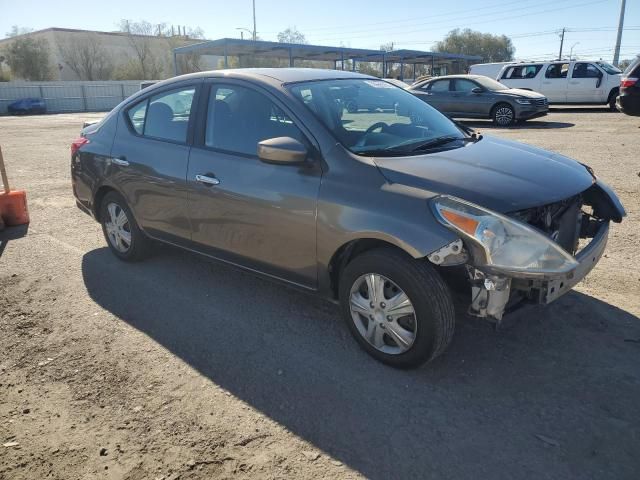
[(448, 77)]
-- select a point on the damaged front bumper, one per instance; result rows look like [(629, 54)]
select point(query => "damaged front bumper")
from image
[(494, 293)]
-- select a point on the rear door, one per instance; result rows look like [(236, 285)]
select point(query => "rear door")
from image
[(585, 84), (466, 102), (554, 83), (258, 215), (149, 159)]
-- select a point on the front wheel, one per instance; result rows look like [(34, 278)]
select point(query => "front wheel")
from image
[(503, 115), (397, 308)]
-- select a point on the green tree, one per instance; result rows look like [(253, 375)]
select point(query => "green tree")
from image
[(492, 48), (28, 58), (292, 35)]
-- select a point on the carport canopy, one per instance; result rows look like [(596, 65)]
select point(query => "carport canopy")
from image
[(233, 47)]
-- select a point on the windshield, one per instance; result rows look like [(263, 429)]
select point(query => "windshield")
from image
[(490, 84), (610, 69), (373, 117)]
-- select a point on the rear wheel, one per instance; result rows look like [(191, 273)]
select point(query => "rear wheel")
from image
[(397, 308), (503, 115), (124, 237)]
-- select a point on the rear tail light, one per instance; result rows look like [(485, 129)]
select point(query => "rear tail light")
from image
[(628, 82), (77, 143)]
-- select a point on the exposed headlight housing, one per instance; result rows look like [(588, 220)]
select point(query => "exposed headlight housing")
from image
[(502, 244), (523, 101)]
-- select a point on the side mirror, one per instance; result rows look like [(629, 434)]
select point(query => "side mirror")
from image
[(282, 151), (600, 76), (477, 90)]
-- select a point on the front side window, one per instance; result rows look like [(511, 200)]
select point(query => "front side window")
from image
[(557, 70), (164, 116), (238, 118), (585, 70), (388, 120)]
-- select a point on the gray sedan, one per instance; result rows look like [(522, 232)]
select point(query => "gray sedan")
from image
[(477, 96)]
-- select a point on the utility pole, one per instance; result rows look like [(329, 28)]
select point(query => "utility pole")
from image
[(254, 21), (616, 52), (562, 43)]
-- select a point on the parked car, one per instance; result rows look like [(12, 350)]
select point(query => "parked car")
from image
[(566, 82), (26, 106), (263, 173), (477, 96), (490, 70), (629, 99)]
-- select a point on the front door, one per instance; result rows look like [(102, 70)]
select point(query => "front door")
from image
[(466, 102), (554, 82), (258, 215), (149, 160), (436, 94), (585, 84)]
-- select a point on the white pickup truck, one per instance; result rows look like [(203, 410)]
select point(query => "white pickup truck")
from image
[(577, 81)]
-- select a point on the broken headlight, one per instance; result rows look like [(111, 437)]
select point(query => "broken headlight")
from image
[(500, 243)]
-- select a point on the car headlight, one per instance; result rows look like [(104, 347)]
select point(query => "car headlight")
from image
[(523, 101), (500, 243)]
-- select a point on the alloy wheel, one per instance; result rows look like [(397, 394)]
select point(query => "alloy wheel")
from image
[(383, 314), (504, 116), (118, 228)]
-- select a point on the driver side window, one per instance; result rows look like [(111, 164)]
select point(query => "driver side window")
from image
[(439, 86)]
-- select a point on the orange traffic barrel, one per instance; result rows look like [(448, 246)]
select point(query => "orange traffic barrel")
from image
[(13, 203)]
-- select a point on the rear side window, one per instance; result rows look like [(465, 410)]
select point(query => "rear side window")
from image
[(519, 72), (463, 85), (585, 70), (239, 117), (557, 70), (164, 116), (439, 86)]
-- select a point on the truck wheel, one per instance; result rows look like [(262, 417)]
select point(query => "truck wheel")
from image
[(612, 100), (124, 237), (397, 308), (503, 115)]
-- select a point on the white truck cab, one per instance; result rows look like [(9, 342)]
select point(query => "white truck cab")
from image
[(563, 81)]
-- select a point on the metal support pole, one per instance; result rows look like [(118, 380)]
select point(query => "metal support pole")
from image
[(122, 91), (342, 60), (290, 57), (353, 64), (561, 44), (414, 72), (175, 63), (616, 52), (402, 69), (432, 65), (384, 66), (226, 60)]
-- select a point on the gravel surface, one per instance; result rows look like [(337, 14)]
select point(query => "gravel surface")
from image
[(182, 368)]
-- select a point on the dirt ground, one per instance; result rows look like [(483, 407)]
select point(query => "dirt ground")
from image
[(181, 368)]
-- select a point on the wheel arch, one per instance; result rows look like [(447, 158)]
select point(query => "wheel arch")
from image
[(351, 249), (614, 92)]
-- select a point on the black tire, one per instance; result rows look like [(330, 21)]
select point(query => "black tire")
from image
[(140, 245), (500, 117), (427, 292), (613, 96)]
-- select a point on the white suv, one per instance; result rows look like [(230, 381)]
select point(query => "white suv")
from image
[(594, 82)]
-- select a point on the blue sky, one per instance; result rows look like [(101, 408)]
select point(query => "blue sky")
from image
[(361, 23)]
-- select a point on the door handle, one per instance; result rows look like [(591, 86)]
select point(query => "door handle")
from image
[(207, 180), (121, 161)]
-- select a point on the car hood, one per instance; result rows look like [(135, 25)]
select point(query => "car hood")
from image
[(518, 92), (498, 174)]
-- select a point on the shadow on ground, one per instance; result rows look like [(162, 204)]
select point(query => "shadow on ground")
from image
[(553, 395), (530, 124), (12, 233)]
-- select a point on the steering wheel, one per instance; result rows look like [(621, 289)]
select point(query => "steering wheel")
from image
[(381, 125)]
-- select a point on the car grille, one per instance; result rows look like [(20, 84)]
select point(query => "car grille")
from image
[(541, 102)]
